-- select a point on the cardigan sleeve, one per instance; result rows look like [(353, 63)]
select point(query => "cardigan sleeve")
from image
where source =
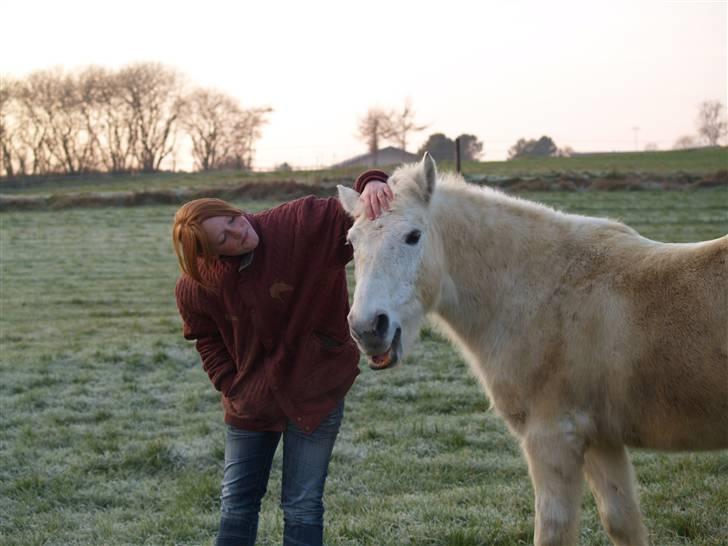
[(326, 222), (368, 176), (199, 326), (325, 225)]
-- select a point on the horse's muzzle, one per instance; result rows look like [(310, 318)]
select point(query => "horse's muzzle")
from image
[(371, 334), (378, 337)]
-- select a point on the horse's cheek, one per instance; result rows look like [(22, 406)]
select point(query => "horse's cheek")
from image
[(427, 283)]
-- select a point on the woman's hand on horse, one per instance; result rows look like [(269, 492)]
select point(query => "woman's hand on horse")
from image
[(376, 197)]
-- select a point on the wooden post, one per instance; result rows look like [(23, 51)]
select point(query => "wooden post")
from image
[(457, 155)]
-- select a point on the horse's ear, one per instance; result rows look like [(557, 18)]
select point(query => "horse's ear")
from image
[(430, 172), (348, 199)]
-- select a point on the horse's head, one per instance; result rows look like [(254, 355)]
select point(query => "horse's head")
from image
[(394, 284)]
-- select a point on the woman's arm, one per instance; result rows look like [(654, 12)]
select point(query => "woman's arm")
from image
[(216, 362), (375, 192), (324, 223), (198, 326)]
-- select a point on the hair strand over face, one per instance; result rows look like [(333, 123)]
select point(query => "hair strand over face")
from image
[(189, 239)]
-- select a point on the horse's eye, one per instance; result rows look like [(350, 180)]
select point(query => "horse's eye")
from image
[(413, 237)]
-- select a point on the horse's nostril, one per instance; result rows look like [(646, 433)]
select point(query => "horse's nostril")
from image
[(381, 326)]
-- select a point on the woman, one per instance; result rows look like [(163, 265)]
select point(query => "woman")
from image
[(265, 297)]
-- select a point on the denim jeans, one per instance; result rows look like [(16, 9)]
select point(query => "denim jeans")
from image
[(248, 459)]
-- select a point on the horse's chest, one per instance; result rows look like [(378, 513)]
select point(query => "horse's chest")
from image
[(509, 402)]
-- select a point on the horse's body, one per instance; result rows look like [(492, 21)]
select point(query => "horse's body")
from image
[(586, 336)]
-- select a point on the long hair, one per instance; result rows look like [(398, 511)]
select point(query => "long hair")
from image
[(189, 239)]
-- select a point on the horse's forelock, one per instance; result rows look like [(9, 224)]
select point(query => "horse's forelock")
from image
[(409, 185), (410, 195)]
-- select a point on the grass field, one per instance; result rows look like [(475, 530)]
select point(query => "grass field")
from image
[(112, 435), (697, 162)]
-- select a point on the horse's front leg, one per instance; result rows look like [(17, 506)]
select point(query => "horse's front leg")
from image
[(555, 460), (611, 478)]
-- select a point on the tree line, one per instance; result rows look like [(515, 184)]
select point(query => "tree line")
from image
[(711, 124), (120, 121), (397, 125), (133, 119)]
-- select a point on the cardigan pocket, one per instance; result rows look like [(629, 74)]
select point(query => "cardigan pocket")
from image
[(329, 343), (321, 365), (252, 399)]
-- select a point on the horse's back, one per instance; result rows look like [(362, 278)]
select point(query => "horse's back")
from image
[(678, 391)]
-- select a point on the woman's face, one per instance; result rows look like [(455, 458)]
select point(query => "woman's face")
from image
[(230, 235)]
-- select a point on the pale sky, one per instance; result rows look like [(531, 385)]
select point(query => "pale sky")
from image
[(585, 73)]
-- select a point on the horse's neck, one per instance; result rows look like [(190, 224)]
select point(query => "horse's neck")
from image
[(501, 258)]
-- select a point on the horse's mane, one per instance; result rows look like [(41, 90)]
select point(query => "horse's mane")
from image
[(453, 187)]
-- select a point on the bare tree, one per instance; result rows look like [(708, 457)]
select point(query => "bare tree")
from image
[(52, 121), (30, 131), (153, 94), (47, 126), (88, 84), (685, 142), (712, 121), (74, 127), (402, 124), (246, 131), (40, 96), (27, 141), (374, 127), (108, 119), (118, 133), (62, 138), (6, 147), (210, 120)]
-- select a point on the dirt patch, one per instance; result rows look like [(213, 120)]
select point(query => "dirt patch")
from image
[(284, 190), (719, 178)]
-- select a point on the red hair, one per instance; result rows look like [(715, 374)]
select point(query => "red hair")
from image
[(189, 239)]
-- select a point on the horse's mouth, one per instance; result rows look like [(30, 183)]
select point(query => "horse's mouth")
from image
[(391, 356)]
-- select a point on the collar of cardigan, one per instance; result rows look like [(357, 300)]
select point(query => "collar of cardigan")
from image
[(245, 260)]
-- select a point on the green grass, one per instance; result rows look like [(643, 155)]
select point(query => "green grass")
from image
[(698, 162), (111, 433)]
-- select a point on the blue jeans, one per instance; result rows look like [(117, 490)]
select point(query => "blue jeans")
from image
[(248, 459)]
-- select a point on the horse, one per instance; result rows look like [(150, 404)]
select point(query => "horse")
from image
[(587, 337)]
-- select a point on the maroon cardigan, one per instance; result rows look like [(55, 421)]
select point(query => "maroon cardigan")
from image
[(273, 337)]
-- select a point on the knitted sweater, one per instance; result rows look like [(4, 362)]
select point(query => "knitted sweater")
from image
[(273, 337)]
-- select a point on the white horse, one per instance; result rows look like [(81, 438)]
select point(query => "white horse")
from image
[(586, 336)]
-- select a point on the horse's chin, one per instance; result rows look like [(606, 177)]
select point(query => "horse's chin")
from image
[(391, 357)]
